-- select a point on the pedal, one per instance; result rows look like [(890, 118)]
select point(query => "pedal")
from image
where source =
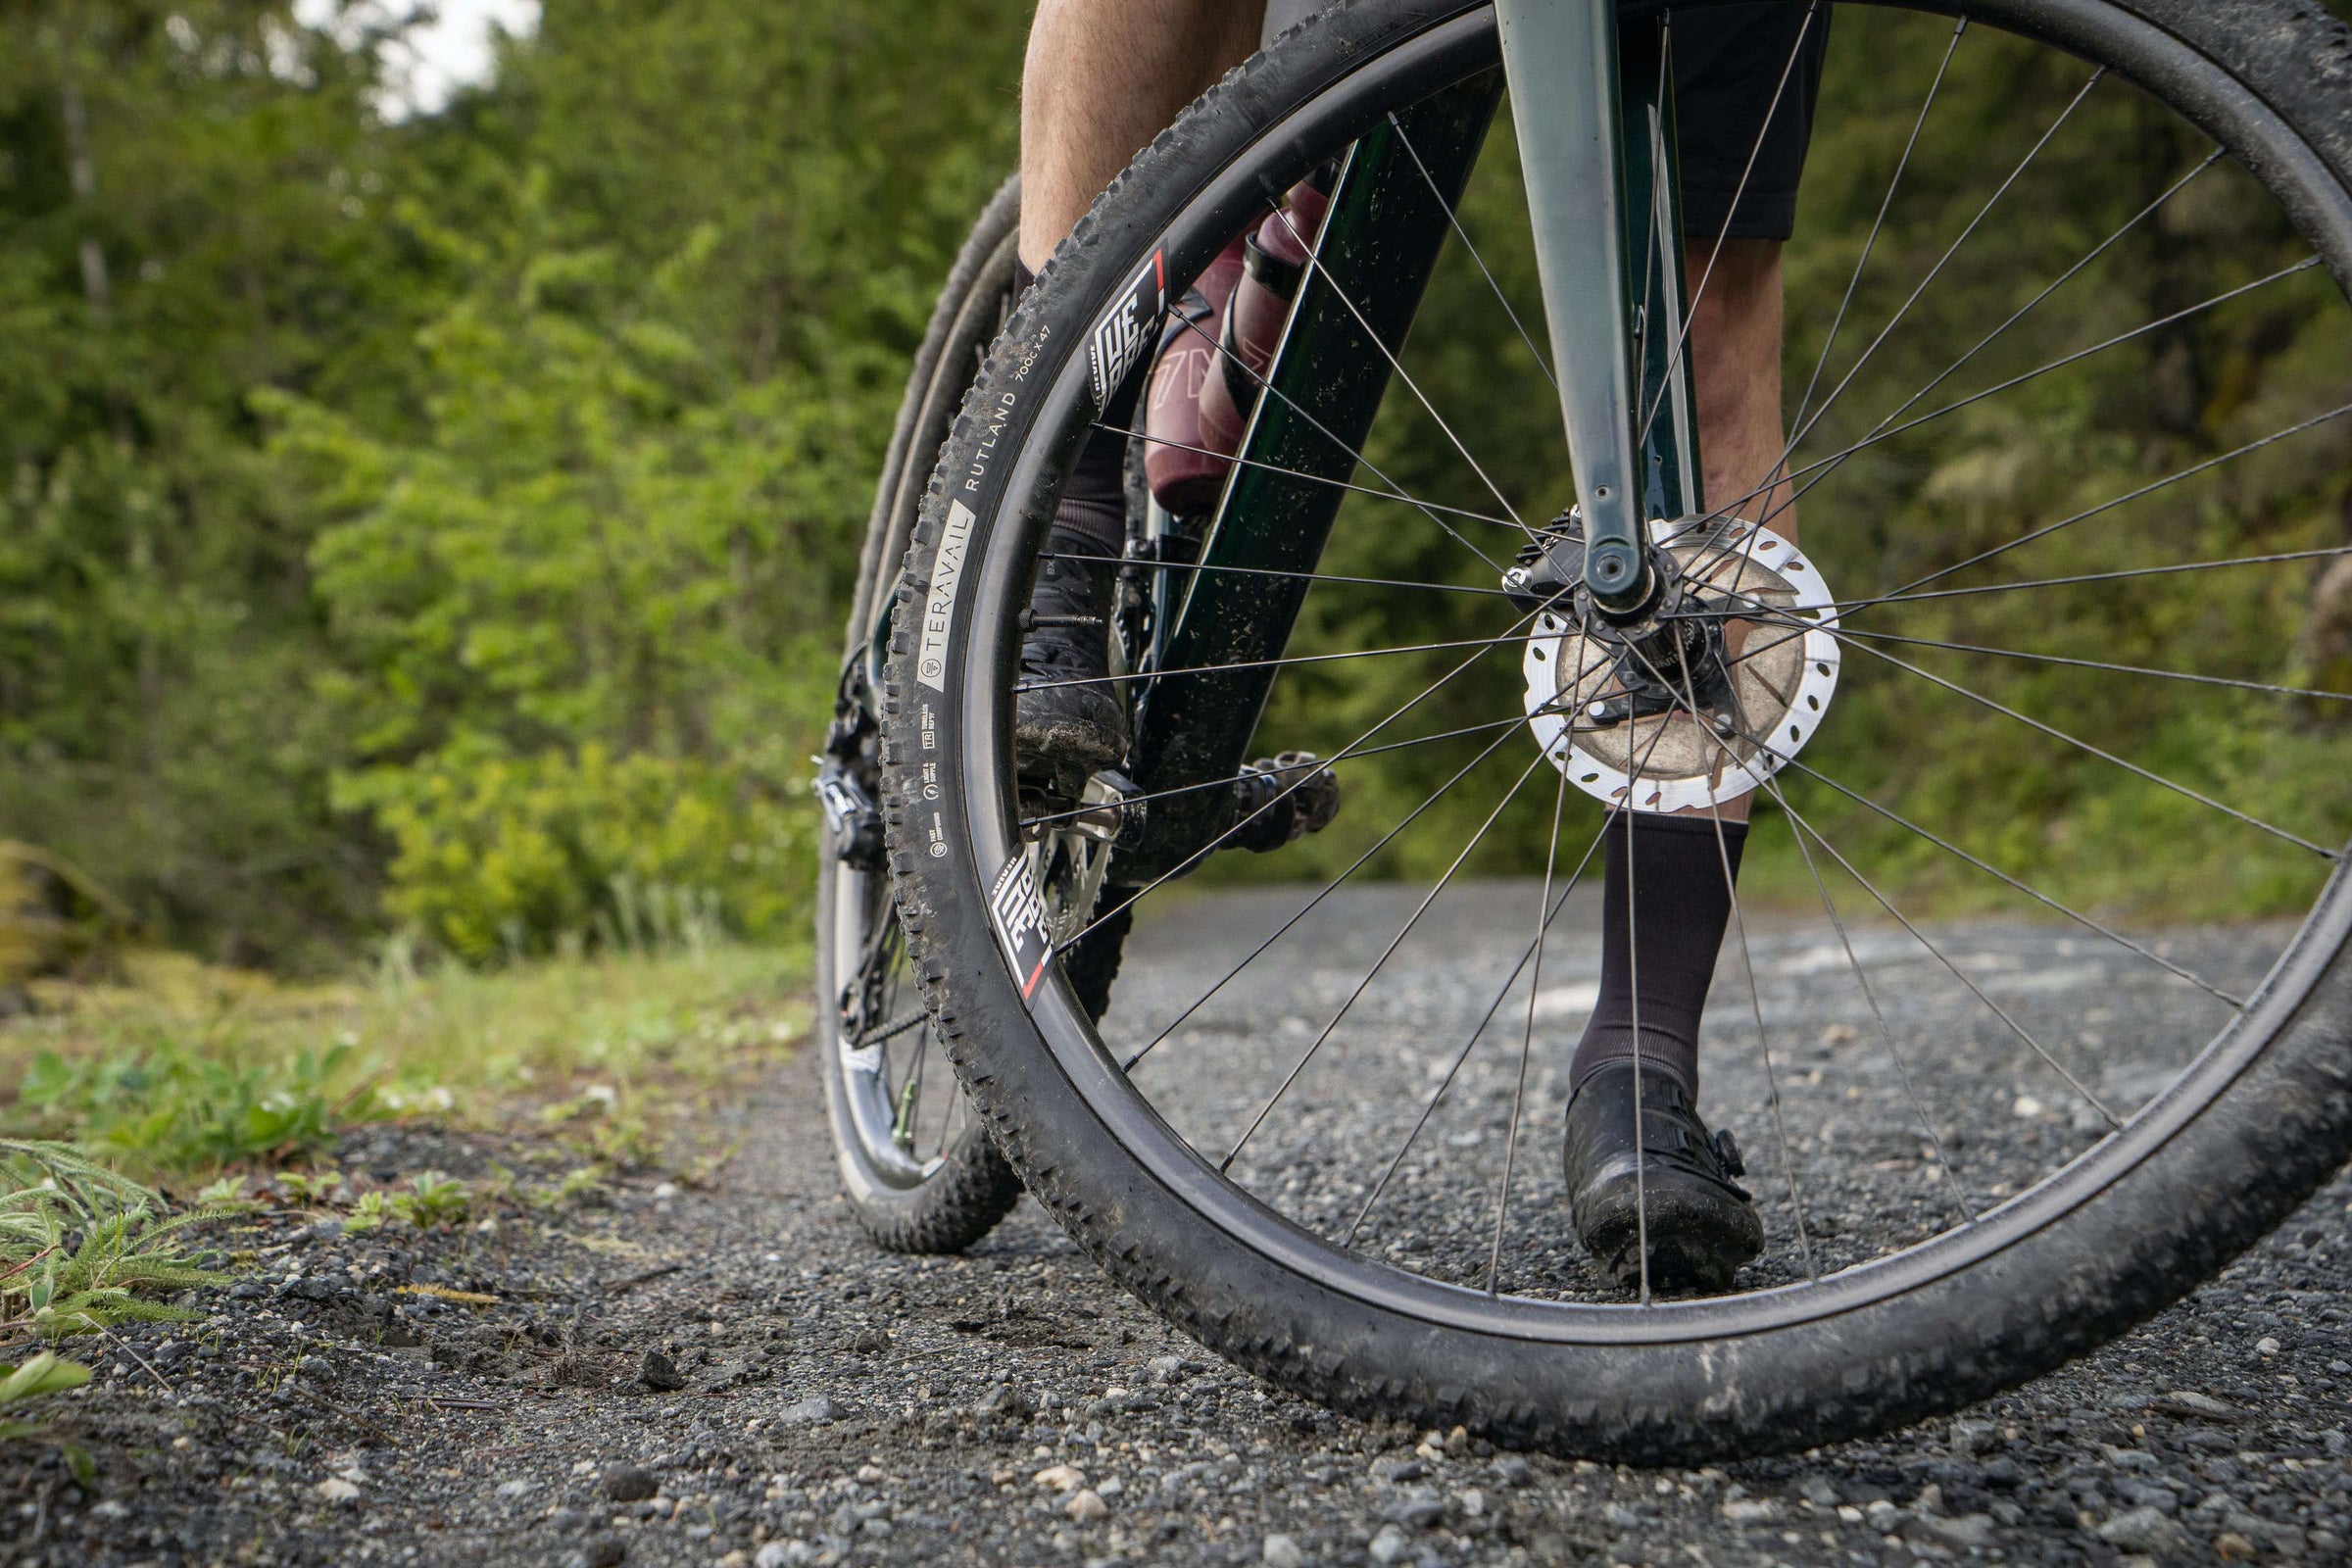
[(1280, 800)]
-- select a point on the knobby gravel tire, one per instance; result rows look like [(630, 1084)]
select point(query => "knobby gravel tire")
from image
[(2249, 1132)]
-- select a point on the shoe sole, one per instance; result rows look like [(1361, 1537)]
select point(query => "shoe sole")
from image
[(1698, 1235)]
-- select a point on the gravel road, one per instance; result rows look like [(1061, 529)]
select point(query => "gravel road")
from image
[(834, 1406)]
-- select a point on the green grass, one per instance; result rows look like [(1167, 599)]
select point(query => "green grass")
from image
[(185, 1070)]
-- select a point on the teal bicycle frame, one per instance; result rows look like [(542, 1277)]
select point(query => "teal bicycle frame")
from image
[(1596, 143)]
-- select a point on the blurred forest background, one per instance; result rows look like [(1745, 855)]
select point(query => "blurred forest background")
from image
[(443, 524), (439, 523)]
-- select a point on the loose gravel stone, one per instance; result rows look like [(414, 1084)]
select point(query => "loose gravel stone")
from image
[(628, 1483), (658, 1372), (1281, 1551), (2144, 1530)]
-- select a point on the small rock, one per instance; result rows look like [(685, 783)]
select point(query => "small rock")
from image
[(1397, 1471), (2230, 1546), (1473, 1502), (1975, 1436), (598, 1552), (814, 1411), (1419, 1507), (512, 1488), (775, 1554), (1750, 1510), (563, 1521), (1391, 1545), (1086, 1505), (2144, 1530), (1166, 1368), (626, 1483), (659, 1373), (1968, 1532), (2267, 1346), (1060, 1477), (1512, 1471), (334, 1488), (2026, 1108), (871, 1341), (2204, 1407), (1819, 1493), (1281, 1551)]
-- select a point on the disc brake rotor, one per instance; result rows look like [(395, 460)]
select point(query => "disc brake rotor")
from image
[(1781, 675)]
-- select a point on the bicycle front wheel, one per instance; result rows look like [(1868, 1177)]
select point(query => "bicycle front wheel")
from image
[(2036, 1009)]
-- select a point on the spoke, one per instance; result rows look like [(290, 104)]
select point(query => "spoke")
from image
[(1297, 473), (2103, 577), (1267, 1109), (1314, 266), (1276, 571), (1755, 995), (1352, 747), (1229, 780), (1749, 610), (1397, 491), (1527, 1040), (1941, 958), (2002, 876), (1463, 235), (2095, 664), (1492, 1008), (1283, 662), (2020, 315), (1893, 183), (1501, 995), (1942, 261), (1821, 467), (1681, 338), (1328, 889), (1903, 1071), (2079, 744), (1633, 976), (1908, 590), (1915, 590)]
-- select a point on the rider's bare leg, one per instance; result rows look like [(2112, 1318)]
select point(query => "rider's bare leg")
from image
[(1103, 78), (1736, 382)]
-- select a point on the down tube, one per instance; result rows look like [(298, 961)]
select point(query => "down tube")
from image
[(1379, 243)]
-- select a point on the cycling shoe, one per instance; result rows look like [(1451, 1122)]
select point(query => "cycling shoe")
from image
[(1677, 1192)]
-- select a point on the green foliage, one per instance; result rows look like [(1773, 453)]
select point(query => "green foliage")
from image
[(369, 1212), (39, 1377), (174, 1103), (460, 508), (78, 1242), (433, 1198), (311, 1186)]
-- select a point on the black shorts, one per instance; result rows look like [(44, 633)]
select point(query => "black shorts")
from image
[(1728, 60)]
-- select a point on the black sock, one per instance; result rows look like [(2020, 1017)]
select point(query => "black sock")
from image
[(1679, 903), (1094, 504)]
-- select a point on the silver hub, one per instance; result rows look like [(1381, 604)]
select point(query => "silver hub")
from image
[(1782, 680)]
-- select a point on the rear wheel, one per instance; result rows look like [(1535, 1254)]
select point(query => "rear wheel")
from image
[(916, 1165), (1977, 1160)]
